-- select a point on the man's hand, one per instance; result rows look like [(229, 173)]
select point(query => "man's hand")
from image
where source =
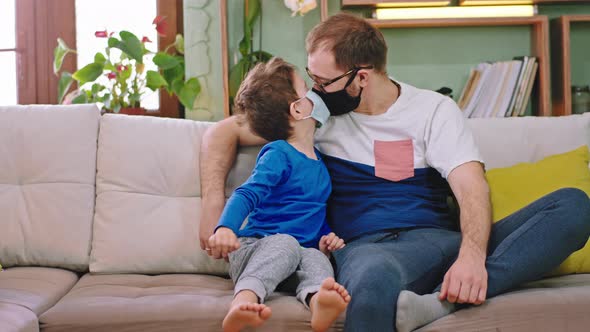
[(466, 281), (330, 242), (212, 209), (223, 242)]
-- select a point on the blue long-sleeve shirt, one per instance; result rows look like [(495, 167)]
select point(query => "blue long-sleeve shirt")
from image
[(286, 193)]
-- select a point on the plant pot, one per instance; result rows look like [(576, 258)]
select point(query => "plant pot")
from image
[(133, 111)]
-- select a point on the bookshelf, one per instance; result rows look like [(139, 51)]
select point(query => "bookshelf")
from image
[(539, 26), (539, 46), (561, 62)]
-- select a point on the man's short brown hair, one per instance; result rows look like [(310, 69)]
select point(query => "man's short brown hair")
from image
[(264, 99), (352, 40)]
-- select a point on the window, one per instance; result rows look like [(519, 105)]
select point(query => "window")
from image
[(40, 22), (8, 53), (135, 16)]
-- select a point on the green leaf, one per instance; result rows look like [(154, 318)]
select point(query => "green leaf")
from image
[(236, 75), (100, 58), (65, 81), (96, 88), (88, 73), (113, 42), (173, 74), (82, 98), (262, 56), (177, 86), (253, 12), (165, 61), (109, 66), (129, 45), (60, 52), (244, 46), (189, 93), (125, 74), (155, 80), (179, 43)]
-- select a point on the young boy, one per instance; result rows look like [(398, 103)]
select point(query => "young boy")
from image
[(285, 202)]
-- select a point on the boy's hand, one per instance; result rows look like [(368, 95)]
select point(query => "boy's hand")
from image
[(330, 242), (223, 242)]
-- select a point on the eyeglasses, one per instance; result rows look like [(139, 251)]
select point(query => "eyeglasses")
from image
[(322, 86)]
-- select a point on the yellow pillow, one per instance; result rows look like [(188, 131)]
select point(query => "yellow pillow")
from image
[(513, 188)]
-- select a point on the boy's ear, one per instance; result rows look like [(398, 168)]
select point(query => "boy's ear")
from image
[(294, 112)]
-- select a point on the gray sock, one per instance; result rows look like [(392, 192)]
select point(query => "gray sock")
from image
[(414, 310)]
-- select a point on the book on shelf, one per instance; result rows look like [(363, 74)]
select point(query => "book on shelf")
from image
[(528, 90), (499, 89)]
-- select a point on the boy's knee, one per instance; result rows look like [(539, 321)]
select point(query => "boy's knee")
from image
[(283, 242)]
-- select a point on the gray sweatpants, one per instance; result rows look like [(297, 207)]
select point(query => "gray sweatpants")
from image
[(261, 265)]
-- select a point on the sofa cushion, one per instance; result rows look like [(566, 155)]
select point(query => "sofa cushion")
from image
[(14, 318), (148, 198), (507, 141), (176, 302), (556, 304), (515, 187), (35, 288), (48, 163)]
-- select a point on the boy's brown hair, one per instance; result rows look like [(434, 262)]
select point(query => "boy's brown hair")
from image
[(352, 40), (264, 99)]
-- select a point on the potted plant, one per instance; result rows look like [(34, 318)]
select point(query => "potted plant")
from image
[(126, 78), (249, 57)]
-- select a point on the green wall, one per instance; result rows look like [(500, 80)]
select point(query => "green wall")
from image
[(425, 57)]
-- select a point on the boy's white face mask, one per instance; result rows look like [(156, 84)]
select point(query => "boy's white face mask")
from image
[(320, 111)]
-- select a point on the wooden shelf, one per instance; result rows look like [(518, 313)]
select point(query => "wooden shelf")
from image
[(539, 42), (561, 56), (539, 45)]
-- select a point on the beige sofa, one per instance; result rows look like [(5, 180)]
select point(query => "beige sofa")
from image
[(99, 221)]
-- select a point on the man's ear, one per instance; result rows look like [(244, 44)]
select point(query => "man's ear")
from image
[(363, 76)]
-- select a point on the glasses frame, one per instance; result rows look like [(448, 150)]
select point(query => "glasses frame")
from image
[(322, 86)]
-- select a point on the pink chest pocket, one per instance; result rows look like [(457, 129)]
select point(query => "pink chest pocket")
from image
[(394, 160)]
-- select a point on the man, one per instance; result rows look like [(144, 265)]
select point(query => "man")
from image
[(393, 152)]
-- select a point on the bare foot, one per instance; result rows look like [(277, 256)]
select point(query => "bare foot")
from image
[(245, 315), (327, 304)]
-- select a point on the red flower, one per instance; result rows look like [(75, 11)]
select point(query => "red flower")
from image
[(145, 40), (161, 25), (121, 68), (101, 34), (111, 76)]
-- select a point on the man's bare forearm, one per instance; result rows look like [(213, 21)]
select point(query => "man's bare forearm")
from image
[(476, 222), (218, 153), (473, 196)]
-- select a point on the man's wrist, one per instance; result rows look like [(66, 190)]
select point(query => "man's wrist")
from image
[(472, 252)]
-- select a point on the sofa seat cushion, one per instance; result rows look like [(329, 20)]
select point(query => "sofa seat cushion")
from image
[(16, 318), (555, 304), (174, 302), (35, 288)]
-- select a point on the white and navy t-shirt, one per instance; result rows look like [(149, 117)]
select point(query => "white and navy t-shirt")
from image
[(389, 171)]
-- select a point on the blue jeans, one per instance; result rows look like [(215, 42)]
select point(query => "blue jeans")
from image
[(523, 247)]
